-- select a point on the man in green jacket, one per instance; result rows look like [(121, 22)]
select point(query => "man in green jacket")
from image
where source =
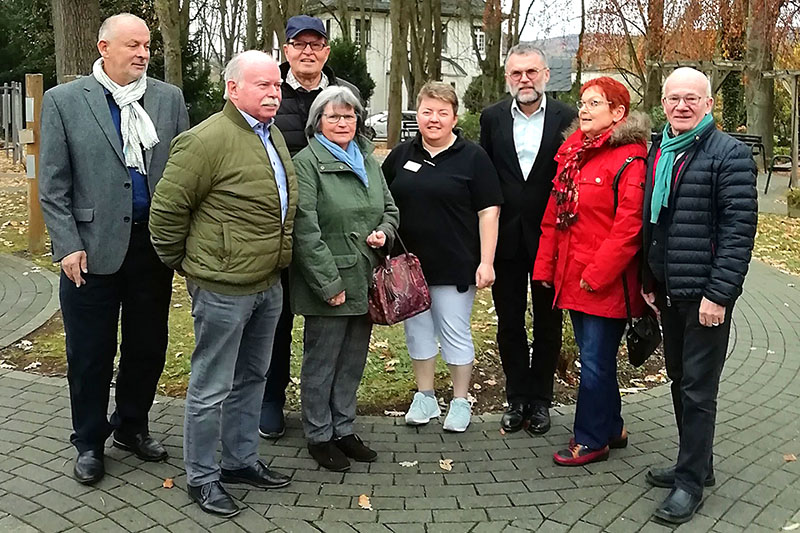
[(222, 215)]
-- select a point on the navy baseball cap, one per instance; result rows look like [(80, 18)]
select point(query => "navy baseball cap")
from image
[(301, 23)]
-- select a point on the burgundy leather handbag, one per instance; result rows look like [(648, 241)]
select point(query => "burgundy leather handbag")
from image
[(398, 289)]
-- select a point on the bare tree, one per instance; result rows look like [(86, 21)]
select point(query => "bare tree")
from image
[(653, 47), (425, 28), (762, 17), (75, 25), (169, 21), (399, 23), (489, 61), (251, 31), (230, 12)]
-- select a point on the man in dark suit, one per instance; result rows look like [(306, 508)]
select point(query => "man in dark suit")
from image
[(521, 136), (105, 141)]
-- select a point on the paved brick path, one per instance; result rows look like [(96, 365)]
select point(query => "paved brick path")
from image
[(498, 483), (28, 298)]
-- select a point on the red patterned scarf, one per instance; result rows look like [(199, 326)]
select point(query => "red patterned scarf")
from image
[(565, 185)]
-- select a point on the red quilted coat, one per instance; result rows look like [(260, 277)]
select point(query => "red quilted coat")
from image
[(600, 245)]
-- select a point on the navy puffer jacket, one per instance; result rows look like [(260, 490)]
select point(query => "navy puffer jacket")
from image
[(710, 220)]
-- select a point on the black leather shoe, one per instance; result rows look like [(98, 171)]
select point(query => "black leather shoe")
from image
[(679, 507), (539, 420), (272, 424), (329, 456), (354, 448), (257, 475), (89, 467), (142, 445), (213, 499), (665, 477), (514, 418)]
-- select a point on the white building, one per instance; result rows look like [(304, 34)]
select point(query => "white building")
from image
[(459, 64)]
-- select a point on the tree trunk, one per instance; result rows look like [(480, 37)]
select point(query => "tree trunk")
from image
[(169, 23), (759, 91), (731, 47), (436, 51), (576, 85), (252, 26), (493, 18), (654, 45), (362, 35), (184, 16), (75, 25), (344, 19), (399, 23)]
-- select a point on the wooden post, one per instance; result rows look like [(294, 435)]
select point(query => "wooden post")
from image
[(795, 133), (33, 110)]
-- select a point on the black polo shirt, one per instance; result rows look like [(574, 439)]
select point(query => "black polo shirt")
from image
[(439, 199)]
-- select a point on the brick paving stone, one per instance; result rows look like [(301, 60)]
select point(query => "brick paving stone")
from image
[(161, 512), (12, 523), (19, 506), (55, 501)]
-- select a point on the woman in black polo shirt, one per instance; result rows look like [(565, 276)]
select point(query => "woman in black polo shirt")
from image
[(449, 198)]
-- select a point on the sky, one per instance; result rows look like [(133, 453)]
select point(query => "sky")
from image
[(550, 18)]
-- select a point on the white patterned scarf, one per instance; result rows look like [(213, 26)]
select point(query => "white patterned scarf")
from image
[(137, 128)]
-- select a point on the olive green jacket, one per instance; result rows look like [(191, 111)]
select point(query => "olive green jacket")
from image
[(216, 212), (335, 214)]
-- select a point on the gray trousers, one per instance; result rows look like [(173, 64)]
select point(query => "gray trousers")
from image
[(334, 355), (233, 347)]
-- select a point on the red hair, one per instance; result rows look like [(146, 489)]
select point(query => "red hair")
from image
[(614, 91)]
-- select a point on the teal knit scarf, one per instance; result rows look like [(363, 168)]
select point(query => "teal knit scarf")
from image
[(670, 146)]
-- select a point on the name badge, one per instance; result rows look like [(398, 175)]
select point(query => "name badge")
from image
[(413, 166)]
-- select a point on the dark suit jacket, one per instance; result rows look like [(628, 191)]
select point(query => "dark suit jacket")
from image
[(525, 200), (84, 186)]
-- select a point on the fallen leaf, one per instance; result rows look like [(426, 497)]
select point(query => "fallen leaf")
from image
[(446, 464), (491, 382), (791, 527), (790, 457), (364, 503), (476, 386), (502, 431), (177, 306), (32, 366), (168, 483), (296, 381), (394, 413), (409, 464), (389, 365)]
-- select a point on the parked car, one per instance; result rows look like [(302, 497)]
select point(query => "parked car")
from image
[(379, 121)]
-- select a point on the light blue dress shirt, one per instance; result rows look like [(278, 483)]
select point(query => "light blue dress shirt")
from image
[(262, 130), (528, 131)]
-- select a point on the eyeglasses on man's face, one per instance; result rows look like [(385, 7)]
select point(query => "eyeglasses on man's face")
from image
[(531, 73), (334, 118), (315, 46), (691, 100), (591, 105)]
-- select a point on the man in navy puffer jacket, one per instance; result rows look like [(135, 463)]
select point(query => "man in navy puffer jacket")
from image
[(700, 218)]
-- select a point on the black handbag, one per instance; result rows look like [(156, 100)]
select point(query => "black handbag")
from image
[(643, 335)]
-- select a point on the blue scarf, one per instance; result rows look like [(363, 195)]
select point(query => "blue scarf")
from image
[(352, 157), (670, 146)]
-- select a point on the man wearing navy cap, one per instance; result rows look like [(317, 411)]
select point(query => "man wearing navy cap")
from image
[(304, 76)]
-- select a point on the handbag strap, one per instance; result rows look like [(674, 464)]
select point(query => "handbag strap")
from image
[(615, 187)]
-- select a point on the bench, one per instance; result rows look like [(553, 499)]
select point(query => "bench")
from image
[(754, 142), (779, 163), (408, 129)]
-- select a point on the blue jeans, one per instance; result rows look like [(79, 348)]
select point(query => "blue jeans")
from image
[(233, 346), (598, 415)]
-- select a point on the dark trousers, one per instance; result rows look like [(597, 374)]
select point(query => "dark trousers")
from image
[(142, 288), (279, 367), (598, 415), (529, 373), (694, 356)]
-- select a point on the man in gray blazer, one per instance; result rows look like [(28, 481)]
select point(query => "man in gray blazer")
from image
[(105, 142)]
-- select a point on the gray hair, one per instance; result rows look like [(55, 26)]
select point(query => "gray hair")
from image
[(334, 95), (108, 26), (524, 49), (683, 71), (234, 70)]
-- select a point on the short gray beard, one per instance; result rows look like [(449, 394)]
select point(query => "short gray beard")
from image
[(535, 97)]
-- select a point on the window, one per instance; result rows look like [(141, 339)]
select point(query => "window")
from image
[(367, 35), (481, 38), (444, 37), (328, 28)]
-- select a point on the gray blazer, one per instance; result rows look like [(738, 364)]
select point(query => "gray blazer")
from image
[(84, 186)]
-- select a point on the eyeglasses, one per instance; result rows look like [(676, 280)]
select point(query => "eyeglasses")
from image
[(315, 46), (591, 104), (691, 100), (531, 73), (334, 119)]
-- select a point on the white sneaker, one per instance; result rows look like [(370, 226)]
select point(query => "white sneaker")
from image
[(422, 409), (458, 416)]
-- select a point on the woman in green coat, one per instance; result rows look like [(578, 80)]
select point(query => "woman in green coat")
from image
[(346, 219)]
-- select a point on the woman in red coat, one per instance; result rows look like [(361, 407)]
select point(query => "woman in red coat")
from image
[(585, 248)]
